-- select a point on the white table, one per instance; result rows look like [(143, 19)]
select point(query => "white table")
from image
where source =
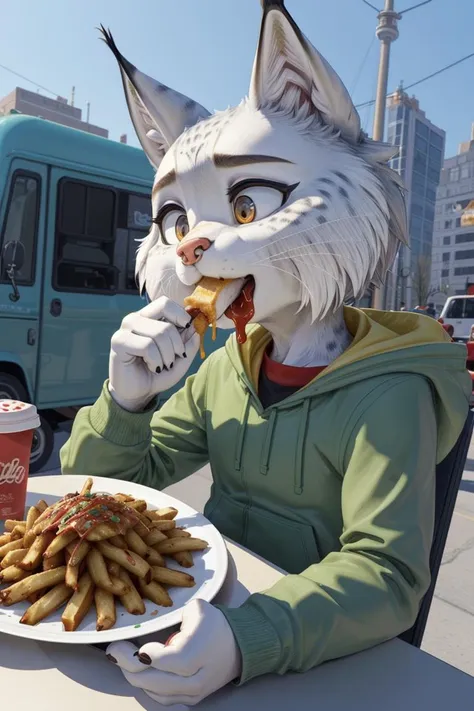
[(47, 677)]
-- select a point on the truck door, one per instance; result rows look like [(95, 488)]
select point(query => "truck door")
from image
[(23, 200), (84, 297)]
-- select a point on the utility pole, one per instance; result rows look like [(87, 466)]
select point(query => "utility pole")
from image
[(387, 32)]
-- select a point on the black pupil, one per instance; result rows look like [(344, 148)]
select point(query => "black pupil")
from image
[(182, 227), (245, 207)]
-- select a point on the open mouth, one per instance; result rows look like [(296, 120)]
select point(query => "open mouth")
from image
[(213, 298)]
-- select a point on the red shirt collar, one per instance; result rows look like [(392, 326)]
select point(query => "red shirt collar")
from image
[(288, 375)]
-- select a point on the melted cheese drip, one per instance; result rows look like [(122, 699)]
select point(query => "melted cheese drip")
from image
[(204, 298)]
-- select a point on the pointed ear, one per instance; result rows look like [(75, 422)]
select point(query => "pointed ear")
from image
[(291, 76), (159, 114)]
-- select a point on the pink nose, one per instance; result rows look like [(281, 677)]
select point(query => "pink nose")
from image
[(191, 250)]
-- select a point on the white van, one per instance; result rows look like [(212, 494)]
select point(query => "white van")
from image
[(459, 312)]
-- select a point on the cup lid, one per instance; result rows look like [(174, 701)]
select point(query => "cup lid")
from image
[(17, 416)]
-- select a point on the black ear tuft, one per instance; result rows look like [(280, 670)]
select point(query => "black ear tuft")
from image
[(109, 41), (268, 5)]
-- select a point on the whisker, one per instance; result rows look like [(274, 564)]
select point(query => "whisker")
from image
[(311, 227)]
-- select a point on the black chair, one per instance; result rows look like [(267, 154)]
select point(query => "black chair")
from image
[(448, 478)]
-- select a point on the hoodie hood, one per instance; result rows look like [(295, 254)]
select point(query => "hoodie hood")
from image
[(384, 343)]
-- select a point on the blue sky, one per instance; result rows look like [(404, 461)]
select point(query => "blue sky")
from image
[(205, 48)]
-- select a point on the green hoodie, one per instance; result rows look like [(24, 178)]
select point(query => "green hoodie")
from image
[(335, 484)]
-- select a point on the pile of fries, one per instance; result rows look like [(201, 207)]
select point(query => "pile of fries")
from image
[(93, 549)]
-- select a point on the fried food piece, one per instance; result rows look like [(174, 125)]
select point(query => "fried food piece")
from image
[(138, 546), (10, 525), (129, 560), (46, 604), (31, 517), (14, 557), (78, 552), (5, 538), (100, 575), (11, 546), (204, 299), (72, 576), (132, 600), (143, 529), (120, 542), (178, 533), (173, 578), (139, 505), (156, 593), (22, 590), (87, 486), (59, 542), (35, 553), (102, 532), (155, 536), (167, 514), (113, 568), (124, 498), (184, 559), (162, 525), (13, 574), (54, 562), (79, 604), (177, 545), (105, 608), (19, 531)]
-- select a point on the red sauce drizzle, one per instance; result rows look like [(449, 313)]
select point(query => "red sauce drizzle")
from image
[(242, 310)]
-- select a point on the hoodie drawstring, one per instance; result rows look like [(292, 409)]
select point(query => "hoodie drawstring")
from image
[(239, 445), (267, 446), (300, 444)]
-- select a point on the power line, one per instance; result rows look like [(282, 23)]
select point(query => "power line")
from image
[(39, 86), (420, 81), (361, 68), (420, 4), (403, 12)]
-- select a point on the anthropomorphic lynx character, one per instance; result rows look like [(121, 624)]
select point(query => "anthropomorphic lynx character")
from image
[(322, 423)]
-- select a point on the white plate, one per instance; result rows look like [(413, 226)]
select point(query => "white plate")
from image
[(209, 571)]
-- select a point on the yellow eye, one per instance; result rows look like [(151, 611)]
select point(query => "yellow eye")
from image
[(182, 227), (245, 210)]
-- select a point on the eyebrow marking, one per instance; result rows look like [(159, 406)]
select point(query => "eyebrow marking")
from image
[(164, 182), (227, 161)]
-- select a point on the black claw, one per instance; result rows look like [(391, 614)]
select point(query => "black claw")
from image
[(158, 370), (145, 659), (185, 355), (171, 366), (188, 324)]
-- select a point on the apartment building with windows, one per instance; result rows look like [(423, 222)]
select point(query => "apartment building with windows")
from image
[(419, 162), (453, 243)]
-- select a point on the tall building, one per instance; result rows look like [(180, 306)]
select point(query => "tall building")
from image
[(419, 163), (58, 110), (453, 243)]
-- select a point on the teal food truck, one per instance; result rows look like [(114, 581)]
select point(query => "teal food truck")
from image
[(72, 209)]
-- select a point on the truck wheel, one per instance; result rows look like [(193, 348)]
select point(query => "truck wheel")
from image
[(43, 445), (43, 438)]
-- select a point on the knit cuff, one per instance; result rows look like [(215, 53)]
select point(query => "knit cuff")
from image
[(257, 639), (117, 425)]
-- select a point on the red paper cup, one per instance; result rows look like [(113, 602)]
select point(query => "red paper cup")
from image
[(18, 420)]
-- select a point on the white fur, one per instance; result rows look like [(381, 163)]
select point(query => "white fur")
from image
[(337, 234)]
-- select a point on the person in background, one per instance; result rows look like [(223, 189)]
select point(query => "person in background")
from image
[(471, 334), (430, 310), (403, 306)]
